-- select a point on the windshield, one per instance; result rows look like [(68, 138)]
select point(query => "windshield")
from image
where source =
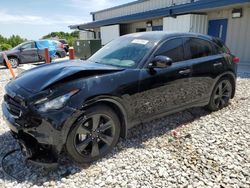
[(17, 47), (123, 52)]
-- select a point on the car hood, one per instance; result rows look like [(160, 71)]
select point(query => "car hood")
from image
[(8, 52), (42, 77)]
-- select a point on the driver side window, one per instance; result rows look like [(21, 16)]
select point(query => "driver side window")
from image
[(173, 49), (28, 45)]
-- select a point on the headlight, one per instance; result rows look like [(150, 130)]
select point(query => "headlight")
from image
[(56, 103)]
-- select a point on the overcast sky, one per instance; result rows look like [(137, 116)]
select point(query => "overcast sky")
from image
[(32, 19)]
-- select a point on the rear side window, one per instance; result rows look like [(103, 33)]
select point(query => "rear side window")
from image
[(197, 48), (173, 49), (218, 50), (220, 47)]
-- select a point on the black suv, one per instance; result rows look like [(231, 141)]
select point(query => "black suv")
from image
[(85, 106)]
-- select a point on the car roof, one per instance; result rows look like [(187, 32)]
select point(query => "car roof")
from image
[(56, 41), (44, 40), (48, 40), (163, 35)]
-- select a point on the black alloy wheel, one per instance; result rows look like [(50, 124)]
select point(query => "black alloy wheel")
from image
[(221, 95), (94, 135)]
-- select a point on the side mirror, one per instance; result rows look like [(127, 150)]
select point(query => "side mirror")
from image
[(161, 62), (21, 49)]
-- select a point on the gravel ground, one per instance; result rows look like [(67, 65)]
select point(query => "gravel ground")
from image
[(193, 148)]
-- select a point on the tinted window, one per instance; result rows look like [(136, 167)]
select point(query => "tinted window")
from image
[(172, 49), (220, 49), (28, 45), (197, 48), (217, 49)]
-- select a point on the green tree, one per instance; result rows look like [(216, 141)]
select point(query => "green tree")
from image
[(5, 46), (75, 34), (2, 39), (70, 37), (12, 41)]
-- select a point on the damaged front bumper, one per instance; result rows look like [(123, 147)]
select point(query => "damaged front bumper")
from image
[(39, 154), (41, 137)]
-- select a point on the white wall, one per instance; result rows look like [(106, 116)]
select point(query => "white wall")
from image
[(199, 23), (109, 33), (178, 24), (186, 23), (141, 6), (85, 35)]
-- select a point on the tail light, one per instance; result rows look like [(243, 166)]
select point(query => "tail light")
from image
[(236, 59)]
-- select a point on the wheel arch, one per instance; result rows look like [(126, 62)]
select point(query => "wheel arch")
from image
[(232, 78), (10, 56), (118, 108)]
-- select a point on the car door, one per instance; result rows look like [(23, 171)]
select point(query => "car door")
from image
[(206, 65), (163, 90), (28, 53)]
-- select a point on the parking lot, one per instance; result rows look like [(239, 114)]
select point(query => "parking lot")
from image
[(208, 150)]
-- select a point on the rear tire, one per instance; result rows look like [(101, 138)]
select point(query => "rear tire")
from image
[(57, 56), (94, 135), (221, 94)]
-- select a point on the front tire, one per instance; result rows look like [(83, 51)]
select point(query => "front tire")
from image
[(94, 135), (221, 95), (14, 62)]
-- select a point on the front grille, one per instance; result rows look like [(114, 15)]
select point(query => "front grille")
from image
[(14, 105), (20, 111)]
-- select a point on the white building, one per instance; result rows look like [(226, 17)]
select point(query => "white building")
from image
[(227, 19)]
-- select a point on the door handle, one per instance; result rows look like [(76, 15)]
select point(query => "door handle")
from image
[(217, 64), (184, 72)]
